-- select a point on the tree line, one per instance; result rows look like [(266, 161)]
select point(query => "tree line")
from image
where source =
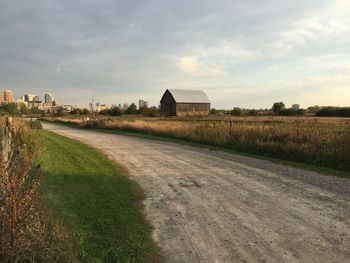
[(277, 109), (280, 109)]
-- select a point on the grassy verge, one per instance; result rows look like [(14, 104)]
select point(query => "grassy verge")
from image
[(320, 169), (96, 202)]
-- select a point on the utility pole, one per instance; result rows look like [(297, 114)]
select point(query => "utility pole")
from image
[(92, 107)]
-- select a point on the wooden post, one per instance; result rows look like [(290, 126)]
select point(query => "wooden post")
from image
[(8, 121), (5, 133)]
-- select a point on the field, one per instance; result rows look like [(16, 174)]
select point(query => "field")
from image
[(97, 203), (318, 141)]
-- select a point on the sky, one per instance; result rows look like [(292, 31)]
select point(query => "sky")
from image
[(241, 53)]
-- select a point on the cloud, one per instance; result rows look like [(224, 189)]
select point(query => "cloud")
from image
[(193, 66), (213, 60), (308, 32), (123, 50)]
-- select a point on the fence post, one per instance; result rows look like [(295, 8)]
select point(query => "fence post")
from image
[(5, 133)]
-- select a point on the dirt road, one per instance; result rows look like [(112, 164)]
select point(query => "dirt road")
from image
[(211, 206)]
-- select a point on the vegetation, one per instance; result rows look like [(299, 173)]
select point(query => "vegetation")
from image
[(27, 234), (11, 108), (277, 107), (132, 109), (334, 111), (78, 111), (150, 112), (323, 142), (98, 204)]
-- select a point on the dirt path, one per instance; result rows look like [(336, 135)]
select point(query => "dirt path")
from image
[(211, 206)]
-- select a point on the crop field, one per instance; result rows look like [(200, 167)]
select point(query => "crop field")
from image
[(318, 141)]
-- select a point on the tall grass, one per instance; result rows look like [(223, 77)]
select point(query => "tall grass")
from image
[(26, 234), (307, 141)]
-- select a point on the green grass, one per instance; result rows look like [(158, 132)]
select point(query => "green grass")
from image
[(320, 169), (96, 202)]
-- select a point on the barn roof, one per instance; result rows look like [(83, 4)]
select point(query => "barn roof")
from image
[(189, 96)]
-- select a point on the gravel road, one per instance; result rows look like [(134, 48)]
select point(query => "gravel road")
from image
[(212, 206)]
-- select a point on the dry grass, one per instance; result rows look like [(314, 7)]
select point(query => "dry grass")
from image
[(26, 234), (309, 140)]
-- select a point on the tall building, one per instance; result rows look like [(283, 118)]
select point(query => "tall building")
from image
[(28, 97), (36, 99), (49, 98), (143, 103), (8, 96)]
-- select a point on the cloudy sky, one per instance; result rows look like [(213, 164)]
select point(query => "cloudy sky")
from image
[(242, 53)]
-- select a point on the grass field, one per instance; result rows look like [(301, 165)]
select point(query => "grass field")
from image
[(318, 141), (96, 202)]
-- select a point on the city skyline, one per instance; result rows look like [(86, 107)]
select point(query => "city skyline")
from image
[(247, 54)]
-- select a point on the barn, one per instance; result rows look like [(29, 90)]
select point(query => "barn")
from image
[(184, 102)]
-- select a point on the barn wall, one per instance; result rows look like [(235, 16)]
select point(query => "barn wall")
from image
[(168, 105), (192, 108)]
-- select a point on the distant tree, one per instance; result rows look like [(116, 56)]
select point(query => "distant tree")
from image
[(104, 112), (313, 109), (213, 111), (277, 107), (236, 111), (75, 111), (116, 111), (253, 112), (334, 111), (143, 110), (292, 112), (10, 108), (153, 112), (150, 112), (85, 111), (132, 109), (23, 109), (60, 111), (35, 110)]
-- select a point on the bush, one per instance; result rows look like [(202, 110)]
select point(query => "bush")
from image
[(149, 112), (35, 124)]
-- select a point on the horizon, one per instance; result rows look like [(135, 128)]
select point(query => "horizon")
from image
[(246, 55)]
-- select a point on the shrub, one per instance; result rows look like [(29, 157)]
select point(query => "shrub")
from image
[(35, 124)]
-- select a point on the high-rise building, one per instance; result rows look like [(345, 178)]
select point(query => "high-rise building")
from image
[(36, 99), (28, 97), (8, 96), (48, 98), (143, 103)]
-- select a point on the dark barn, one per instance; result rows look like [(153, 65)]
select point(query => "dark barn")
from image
[(184, 102)]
